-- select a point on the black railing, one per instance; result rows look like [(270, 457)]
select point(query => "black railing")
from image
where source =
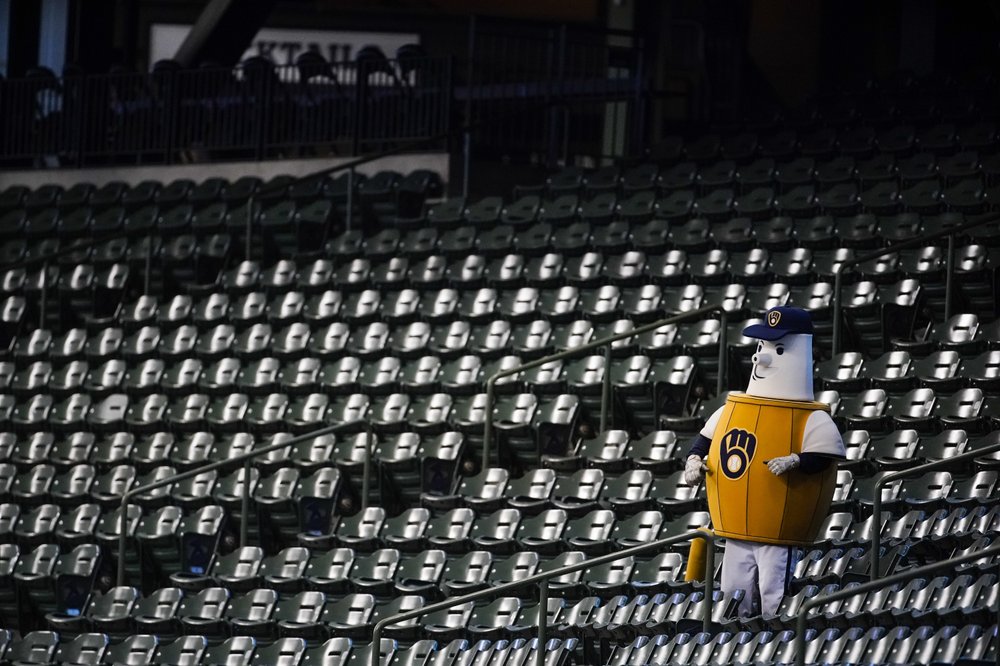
[(244, 459), (542, 580), (919, 241), (876, 544), (902, 577), (254, 111)]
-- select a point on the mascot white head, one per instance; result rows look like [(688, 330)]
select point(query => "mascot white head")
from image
[(783, 362)]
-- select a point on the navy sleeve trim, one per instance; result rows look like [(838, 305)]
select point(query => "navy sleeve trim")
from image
[(699, 446), (813, 463)]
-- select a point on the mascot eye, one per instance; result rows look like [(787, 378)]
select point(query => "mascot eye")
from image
[(780, 350), (760, 346)]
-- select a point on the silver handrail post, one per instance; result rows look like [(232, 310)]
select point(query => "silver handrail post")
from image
[(543, 621), (706, 620), (245, 504), (366, 473), (122, 540), (606, 389), (838, 281), (488, 420), (949, 276)]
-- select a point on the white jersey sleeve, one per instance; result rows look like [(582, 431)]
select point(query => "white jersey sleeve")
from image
[(821, 436), (712, 423)]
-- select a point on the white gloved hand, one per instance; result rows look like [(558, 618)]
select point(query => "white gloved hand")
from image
[(694, 470), (779, 466)]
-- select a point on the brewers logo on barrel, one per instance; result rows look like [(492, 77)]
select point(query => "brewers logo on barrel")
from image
[(738, 447)]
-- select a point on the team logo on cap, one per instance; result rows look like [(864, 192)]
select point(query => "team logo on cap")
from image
[(736, 451), (773, 317)]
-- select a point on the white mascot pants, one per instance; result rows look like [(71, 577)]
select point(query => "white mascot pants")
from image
[(761, 570)]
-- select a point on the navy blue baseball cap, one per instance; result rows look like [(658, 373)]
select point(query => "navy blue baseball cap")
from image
[(779, 322)]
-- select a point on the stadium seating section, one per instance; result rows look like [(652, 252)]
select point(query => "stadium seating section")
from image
[(395, 323)]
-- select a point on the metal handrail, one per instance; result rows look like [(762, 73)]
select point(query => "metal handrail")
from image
[(902, 245), (876, 541), (908, 575), (606, 388), (543, 578), (244, 458)]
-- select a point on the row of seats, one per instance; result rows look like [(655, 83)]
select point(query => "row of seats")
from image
[(385, 185), (92, 649), (866, 162), (883, 644), (215, 612)]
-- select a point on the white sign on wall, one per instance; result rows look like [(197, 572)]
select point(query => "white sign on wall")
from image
[(282, 46)]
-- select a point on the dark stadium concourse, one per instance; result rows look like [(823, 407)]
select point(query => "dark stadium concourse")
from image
[(476, 333)]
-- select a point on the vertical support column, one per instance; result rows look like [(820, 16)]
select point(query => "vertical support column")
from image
[(366, 474), (838, 280), (4, 35), (488, 421), (122, 539), (52, 34), (469, 87), (606, 389), (709, 582), (245, 508), (543, 621)]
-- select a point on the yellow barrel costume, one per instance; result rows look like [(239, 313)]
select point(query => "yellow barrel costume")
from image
[(745, 499)]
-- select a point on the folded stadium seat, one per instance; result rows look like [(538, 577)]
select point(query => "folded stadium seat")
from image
[(466, 273), (390, 273), (447, 214), (927, 491), (485, 212), (337, 650), (373, 573), (542, 533), (602, 180), (361, 307), (962, 333), (704, 148), (676, 206), (505, 271), (418, 243), (522, 212), (401, 306), (966, 196), (180, 650), (638, 208), (36, 525), (560, 209), (629, 492), (73, 487), (921, 190), (429, 272), (26, 385), (420, 573), (919, 167), (959, 167)]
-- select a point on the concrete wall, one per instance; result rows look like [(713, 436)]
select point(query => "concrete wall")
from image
[(230, 170)]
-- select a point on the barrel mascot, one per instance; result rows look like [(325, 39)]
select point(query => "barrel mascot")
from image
[(768, 460)]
